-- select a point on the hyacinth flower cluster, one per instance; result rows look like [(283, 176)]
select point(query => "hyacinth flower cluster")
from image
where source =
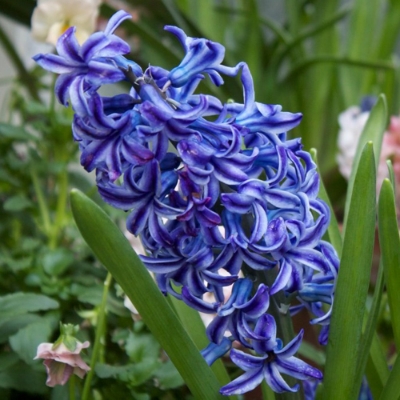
[(212, 189)]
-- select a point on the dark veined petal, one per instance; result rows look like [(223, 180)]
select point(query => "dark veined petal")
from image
[(237, 202), (59, 65), (201, 54), (292, 347), (68, 46), (297, 368), (63, 83), (285, 272), (258, 304), (275, 380), (197, 303), (245, 361), (246, 382), (311, 258), (216, 329), (115, 21), (266, 329), (214, 351), (162, 265)]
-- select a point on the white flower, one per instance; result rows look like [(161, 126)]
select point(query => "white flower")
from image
[(351, 122), (51, 18)]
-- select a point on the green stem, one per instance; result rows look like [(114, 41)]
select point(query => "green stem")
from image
[(25, 77), (267, 392), (98, 337), (61, 206), (44, 211), (72, 387)]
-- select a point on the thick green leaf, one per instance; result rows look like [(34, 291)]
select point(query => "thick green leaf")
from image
[(333, 232), (390, 249), (115, 252), (194, 326), (392, 387), (13, 323), (376, 371), (373, 131), (21, 303), (352, 285), (371, 325)]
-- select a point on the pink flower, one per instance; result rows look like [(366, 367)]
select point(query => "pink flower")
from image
[(61, 362)]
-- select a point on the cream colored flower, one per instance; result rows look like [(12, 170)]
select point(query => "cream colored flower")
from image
[(51, 18), (351, 122)]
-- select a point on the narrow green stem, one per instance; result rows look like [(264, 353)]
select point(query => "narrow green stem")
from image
[(44, 210), (72, 387), (23, 73), (61, 207), (100, 330), (267, 392)]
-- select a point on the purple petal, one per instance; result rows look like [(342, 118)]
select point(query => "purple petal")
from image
[(297, 368), (115, 21), (285, 272), (59, 65), (246, 382), (292, 347), (68, 47), (275, 380), (246, 361)]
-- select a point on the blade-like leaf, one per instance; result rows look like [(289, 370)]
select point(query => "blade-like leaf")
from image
[(390, 249), (373, 131), (333, 232), (376, 371), (352, 285), (194, 326), (392, 388), (114, 251)]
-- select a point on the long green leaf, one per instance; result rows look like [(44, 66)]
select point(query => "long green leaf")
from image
[(334, 236), (370, 328), (392, 388), (114, 251), (194, 326), (376, 371), (373, 131), (352, 285), (390, 249)]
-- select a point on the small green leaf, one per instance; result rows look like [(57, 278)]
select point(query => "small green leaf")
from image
[(13, 132), (27, 339), (352, 285), (142, 346), (115, 252), (389, 241), (21, 303), (168, 376), (23, 378), (56, 261), (17, 203), (13, 323)]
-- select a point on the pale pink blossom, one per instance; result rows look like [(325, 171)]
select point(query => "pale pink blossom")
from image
[(51, 18), (351, 122), (61, 362)]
